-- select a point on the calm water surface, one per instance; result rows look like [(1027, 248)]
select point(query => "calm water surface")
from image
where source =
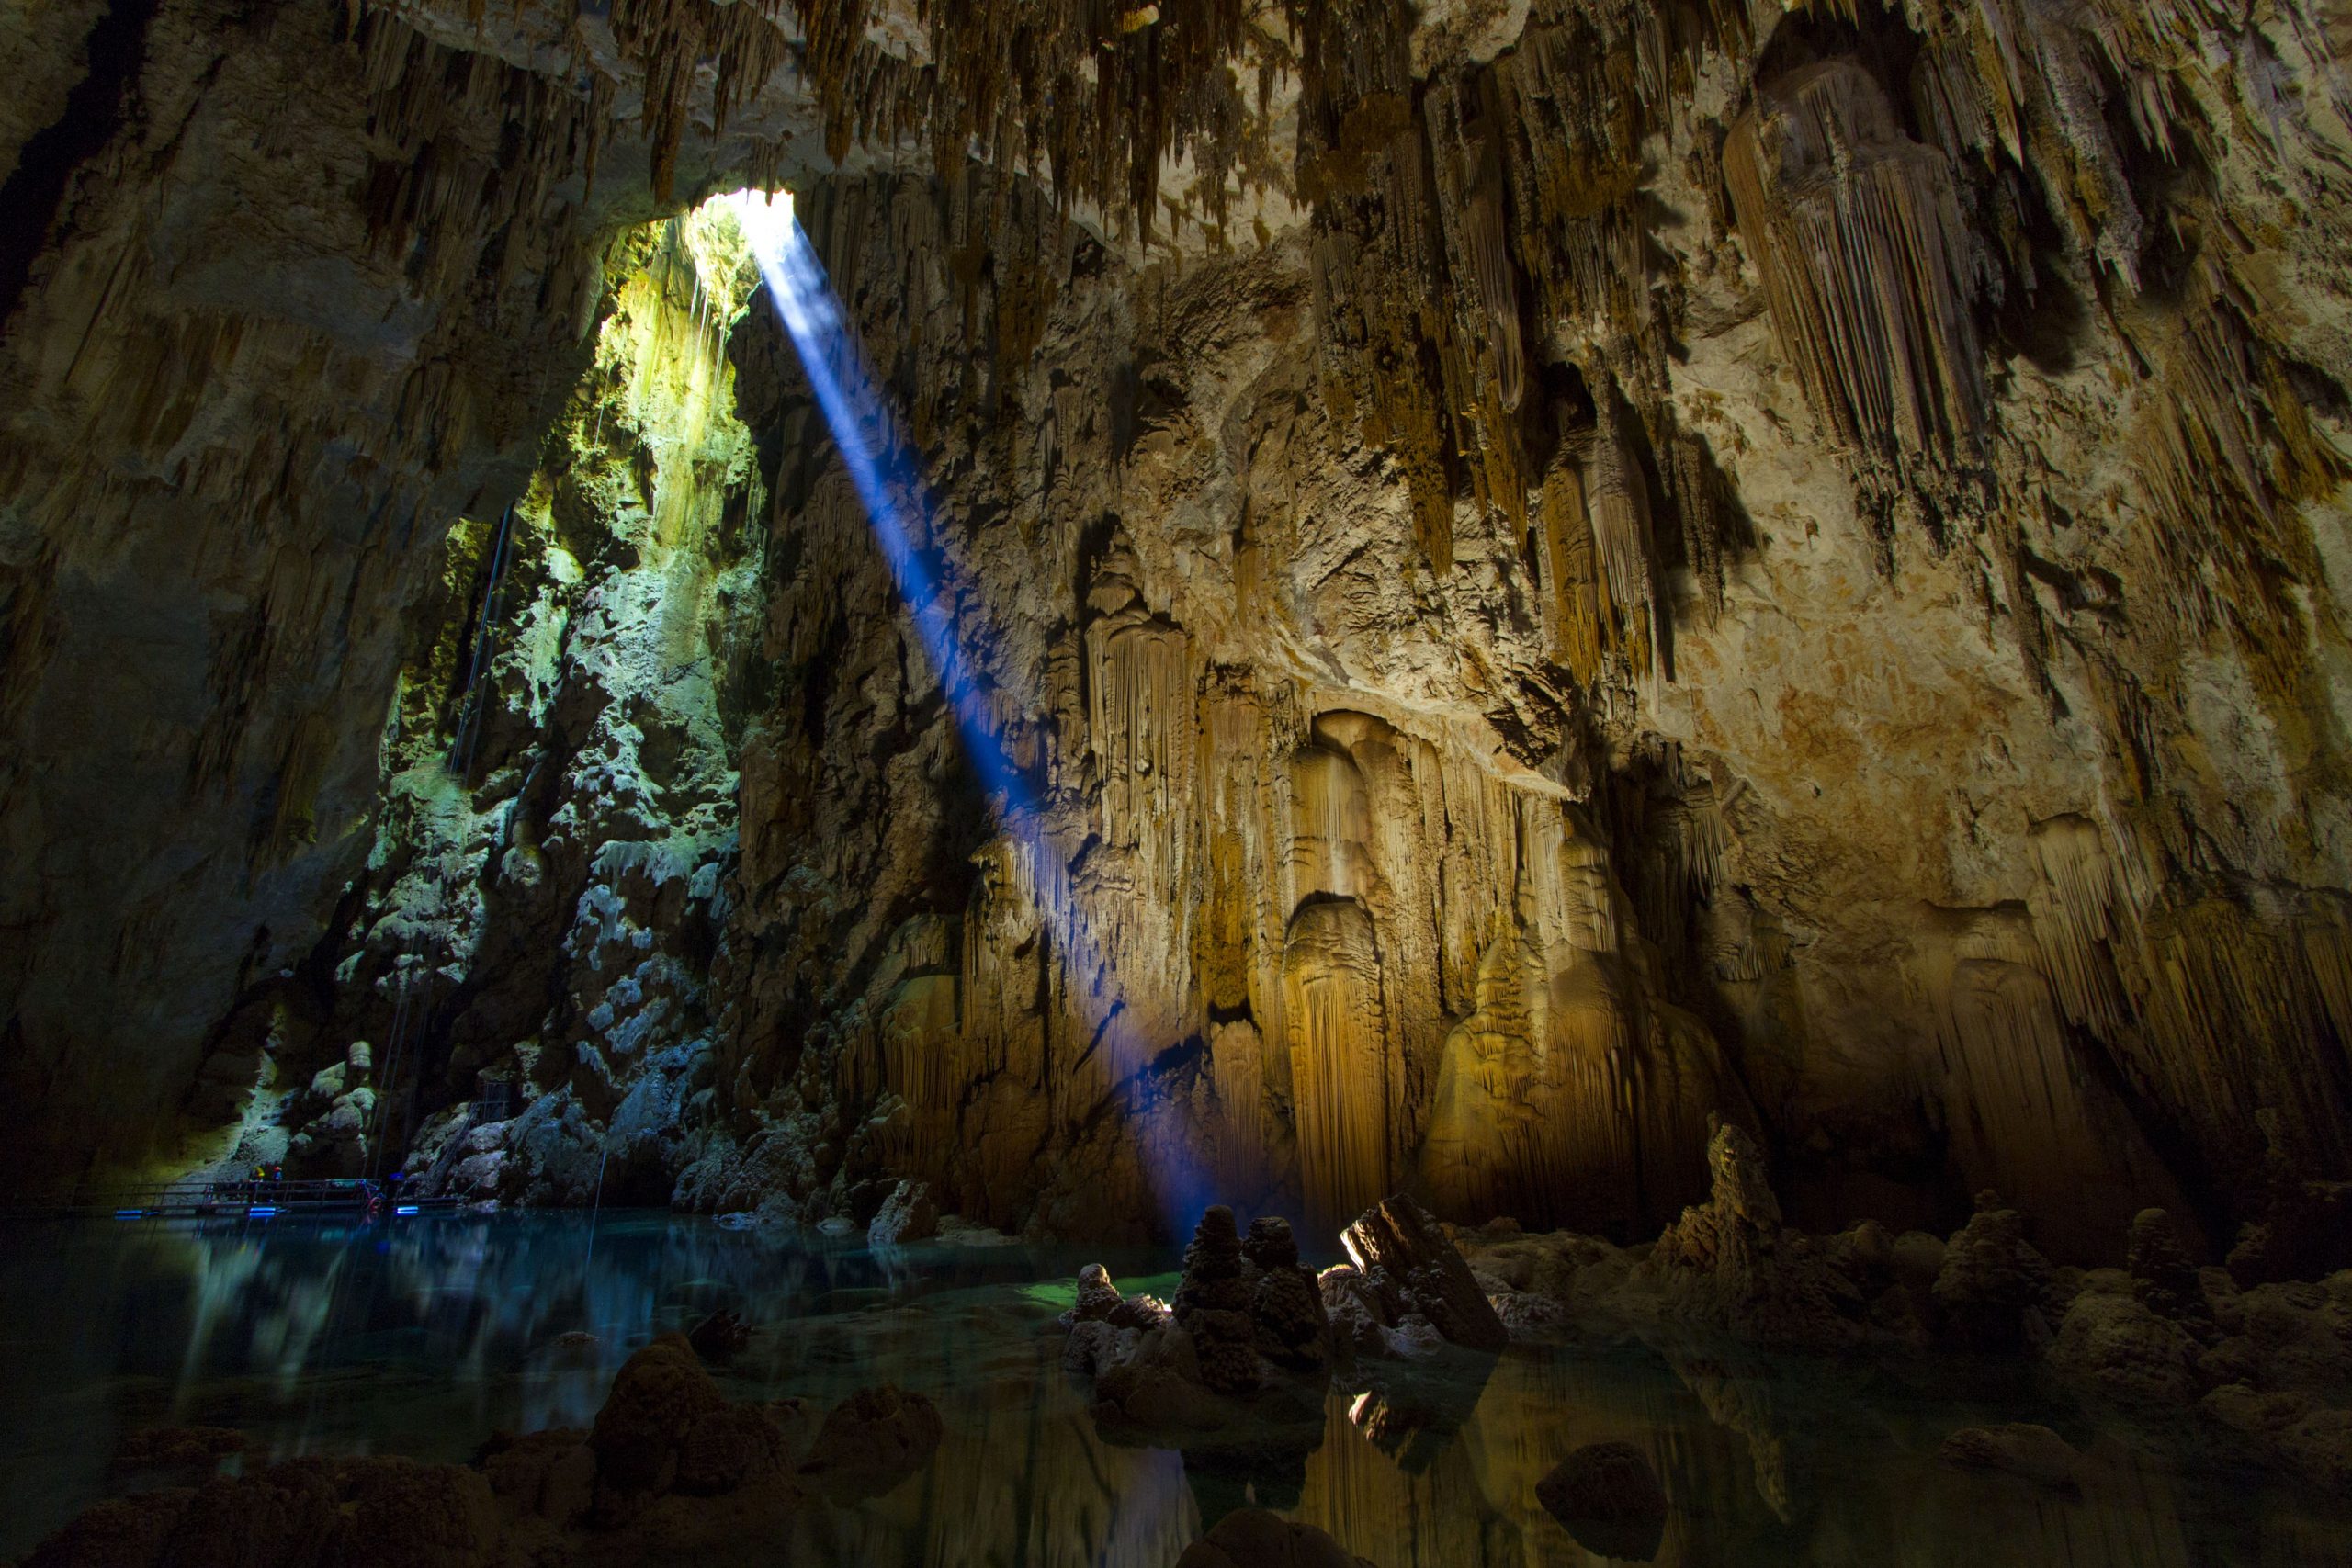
[(421, 1337)]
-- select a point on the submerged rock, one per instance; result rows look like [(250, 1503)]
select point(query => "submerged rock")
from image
[(671, 1471), (178, 1448), (660, 1393), (720, 1336), (2021, 1448), (1234, 1372), (1609, 1499), (871, 1441), (1255, 1538)]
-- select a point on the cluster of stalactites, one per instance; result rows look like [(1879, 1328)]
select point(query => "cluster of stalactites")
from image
[(1870, 268), (671, 39), (443, 172), (1095, 95), (1488, 319)]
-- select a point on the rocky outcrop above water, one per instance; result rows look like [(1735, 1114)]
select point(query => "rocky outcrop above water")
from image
[(2263, 1369), (1407, 1285)]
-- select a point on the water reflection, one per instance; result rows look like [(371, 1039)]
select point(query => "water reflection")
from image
[(421, 1338)]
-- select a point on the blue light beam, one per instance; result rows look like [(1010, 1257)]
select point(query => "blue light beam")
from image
[(891, 489)]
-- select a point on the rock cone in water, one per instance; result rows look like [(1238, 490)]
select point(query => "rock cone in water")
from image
[(1234, 1371), (720, 1336), (873, 1440)]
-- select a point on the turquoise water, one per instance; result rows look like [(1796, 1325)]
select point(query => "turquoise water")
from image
[(422, 1336)]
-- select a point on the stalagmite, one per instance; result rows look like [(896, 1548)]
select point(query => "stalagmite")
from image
[(1340, 1069)]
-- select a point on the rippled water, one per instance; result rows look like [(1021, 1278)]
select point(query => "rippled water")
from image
[(422, 1336)]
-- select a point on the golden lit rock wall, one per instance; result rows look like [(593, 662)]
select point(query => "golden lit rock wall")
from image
[(1555, 570)]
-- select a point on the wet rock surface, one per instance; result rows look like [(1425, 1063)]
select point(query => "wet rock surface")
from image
[(1827, 1452), (1233, 1371)]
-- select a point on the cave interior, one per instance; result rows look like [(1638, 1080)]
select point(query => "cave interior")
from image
[(1437, 767)]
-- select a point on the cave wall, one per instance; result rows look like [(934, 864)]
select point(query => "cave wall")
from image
[(1595, 566), (302, 287)]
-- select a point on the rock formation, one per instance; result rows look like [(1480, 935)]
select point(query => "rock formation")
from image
[(1609, 1497), (1408, 1277), (1520, 578)]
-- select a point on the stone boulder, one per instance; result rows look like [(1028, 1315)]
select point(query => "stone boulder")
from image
[(2164, 1277), (2292, 1430), (907, 1215), (1105, 1327), (1235, 1372), (728, 1448), (719, 1338), (1247, 1318), (1407, 1266), (2296, 1334), (368, 1513), (549, 1475), (1731, 1262), (1285, 1308), (2111, 1343), (121, 1532), (1608, 1498)]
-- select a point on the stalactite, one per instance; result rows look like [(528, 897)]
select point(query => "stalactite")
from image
[(669, 40), (2025, 1092), (1061, 91), (1869, 266), (1573, 606), (1377, 254), (1562, 1098), (1617, 505), (442, 176)]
